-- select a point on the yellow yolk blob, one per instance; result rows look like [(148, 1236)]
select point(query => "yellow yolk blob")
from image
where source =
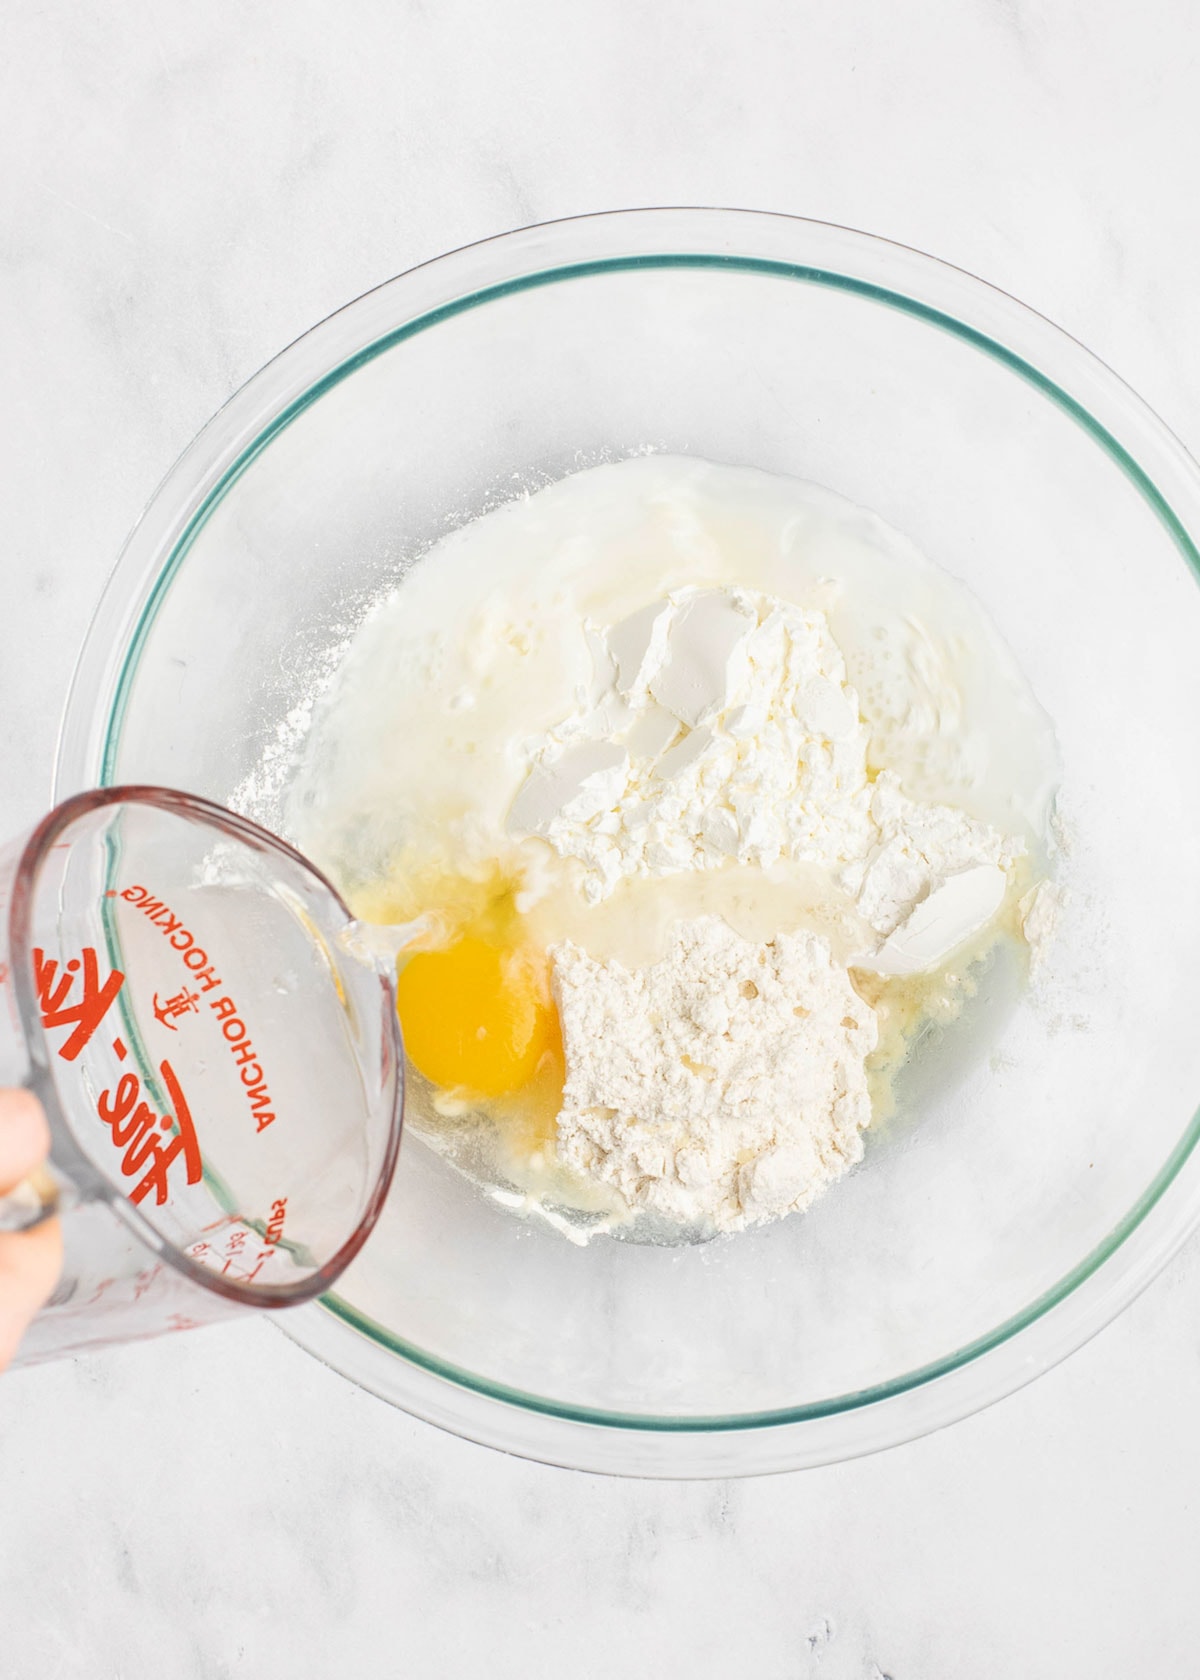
[(476, 1016)]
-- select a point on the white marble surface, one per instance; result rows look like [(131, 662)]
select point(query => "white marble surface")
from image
[(184, 189)]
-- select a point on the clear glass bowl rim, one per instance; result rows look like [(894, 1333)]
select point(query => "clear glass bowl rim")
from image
[(757, 243)]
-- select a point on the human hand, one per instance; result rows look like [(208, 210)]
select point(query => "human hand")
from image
[(29, 1260)]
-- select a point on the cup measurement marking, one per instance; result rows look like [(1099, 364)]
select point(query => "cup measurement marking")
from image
[(237, 1249)]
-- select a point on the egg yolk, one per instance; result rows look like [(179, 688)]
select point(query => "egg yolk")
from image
[(477, 1015)]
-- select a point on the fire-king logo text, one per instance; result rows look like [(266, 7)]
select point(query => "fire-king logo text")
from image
[(77, 998)]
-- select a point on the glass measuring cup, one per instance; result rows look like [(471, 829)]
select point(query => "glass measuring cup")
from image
[(222, 1073)]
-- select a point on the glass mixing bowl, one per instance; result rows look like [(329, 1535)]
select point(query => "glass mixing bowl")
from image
[(1043, 1176)]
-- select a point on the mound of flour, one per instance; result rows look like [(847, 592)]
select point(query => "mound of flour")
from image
[(720, 729), (722, 1087)]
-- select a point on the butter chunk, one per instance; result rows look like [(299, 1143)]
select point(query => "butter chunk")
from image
[(944, 919), (652, 732), (579, 784), (697, 677), (636, 645)]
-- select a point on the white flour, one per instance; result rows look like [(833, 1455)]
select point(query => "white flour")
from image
[(759, 756), (720, 726), (652, 694), (722, 1087)]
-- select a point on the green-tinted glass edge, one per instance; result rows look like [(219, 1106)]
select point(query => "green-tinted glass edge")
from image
[(788, 1414), (1132, 470)]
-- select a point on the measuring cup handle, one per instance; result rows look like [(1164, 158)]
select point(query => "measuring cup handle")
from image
[(35, 1199)]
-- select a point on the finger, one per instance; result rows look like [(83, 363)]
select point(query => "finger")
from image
[(24, 1137), (29, 1268)]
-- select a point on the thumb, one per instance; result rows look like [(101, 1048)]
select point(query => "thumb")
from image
[(24, 1137)]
